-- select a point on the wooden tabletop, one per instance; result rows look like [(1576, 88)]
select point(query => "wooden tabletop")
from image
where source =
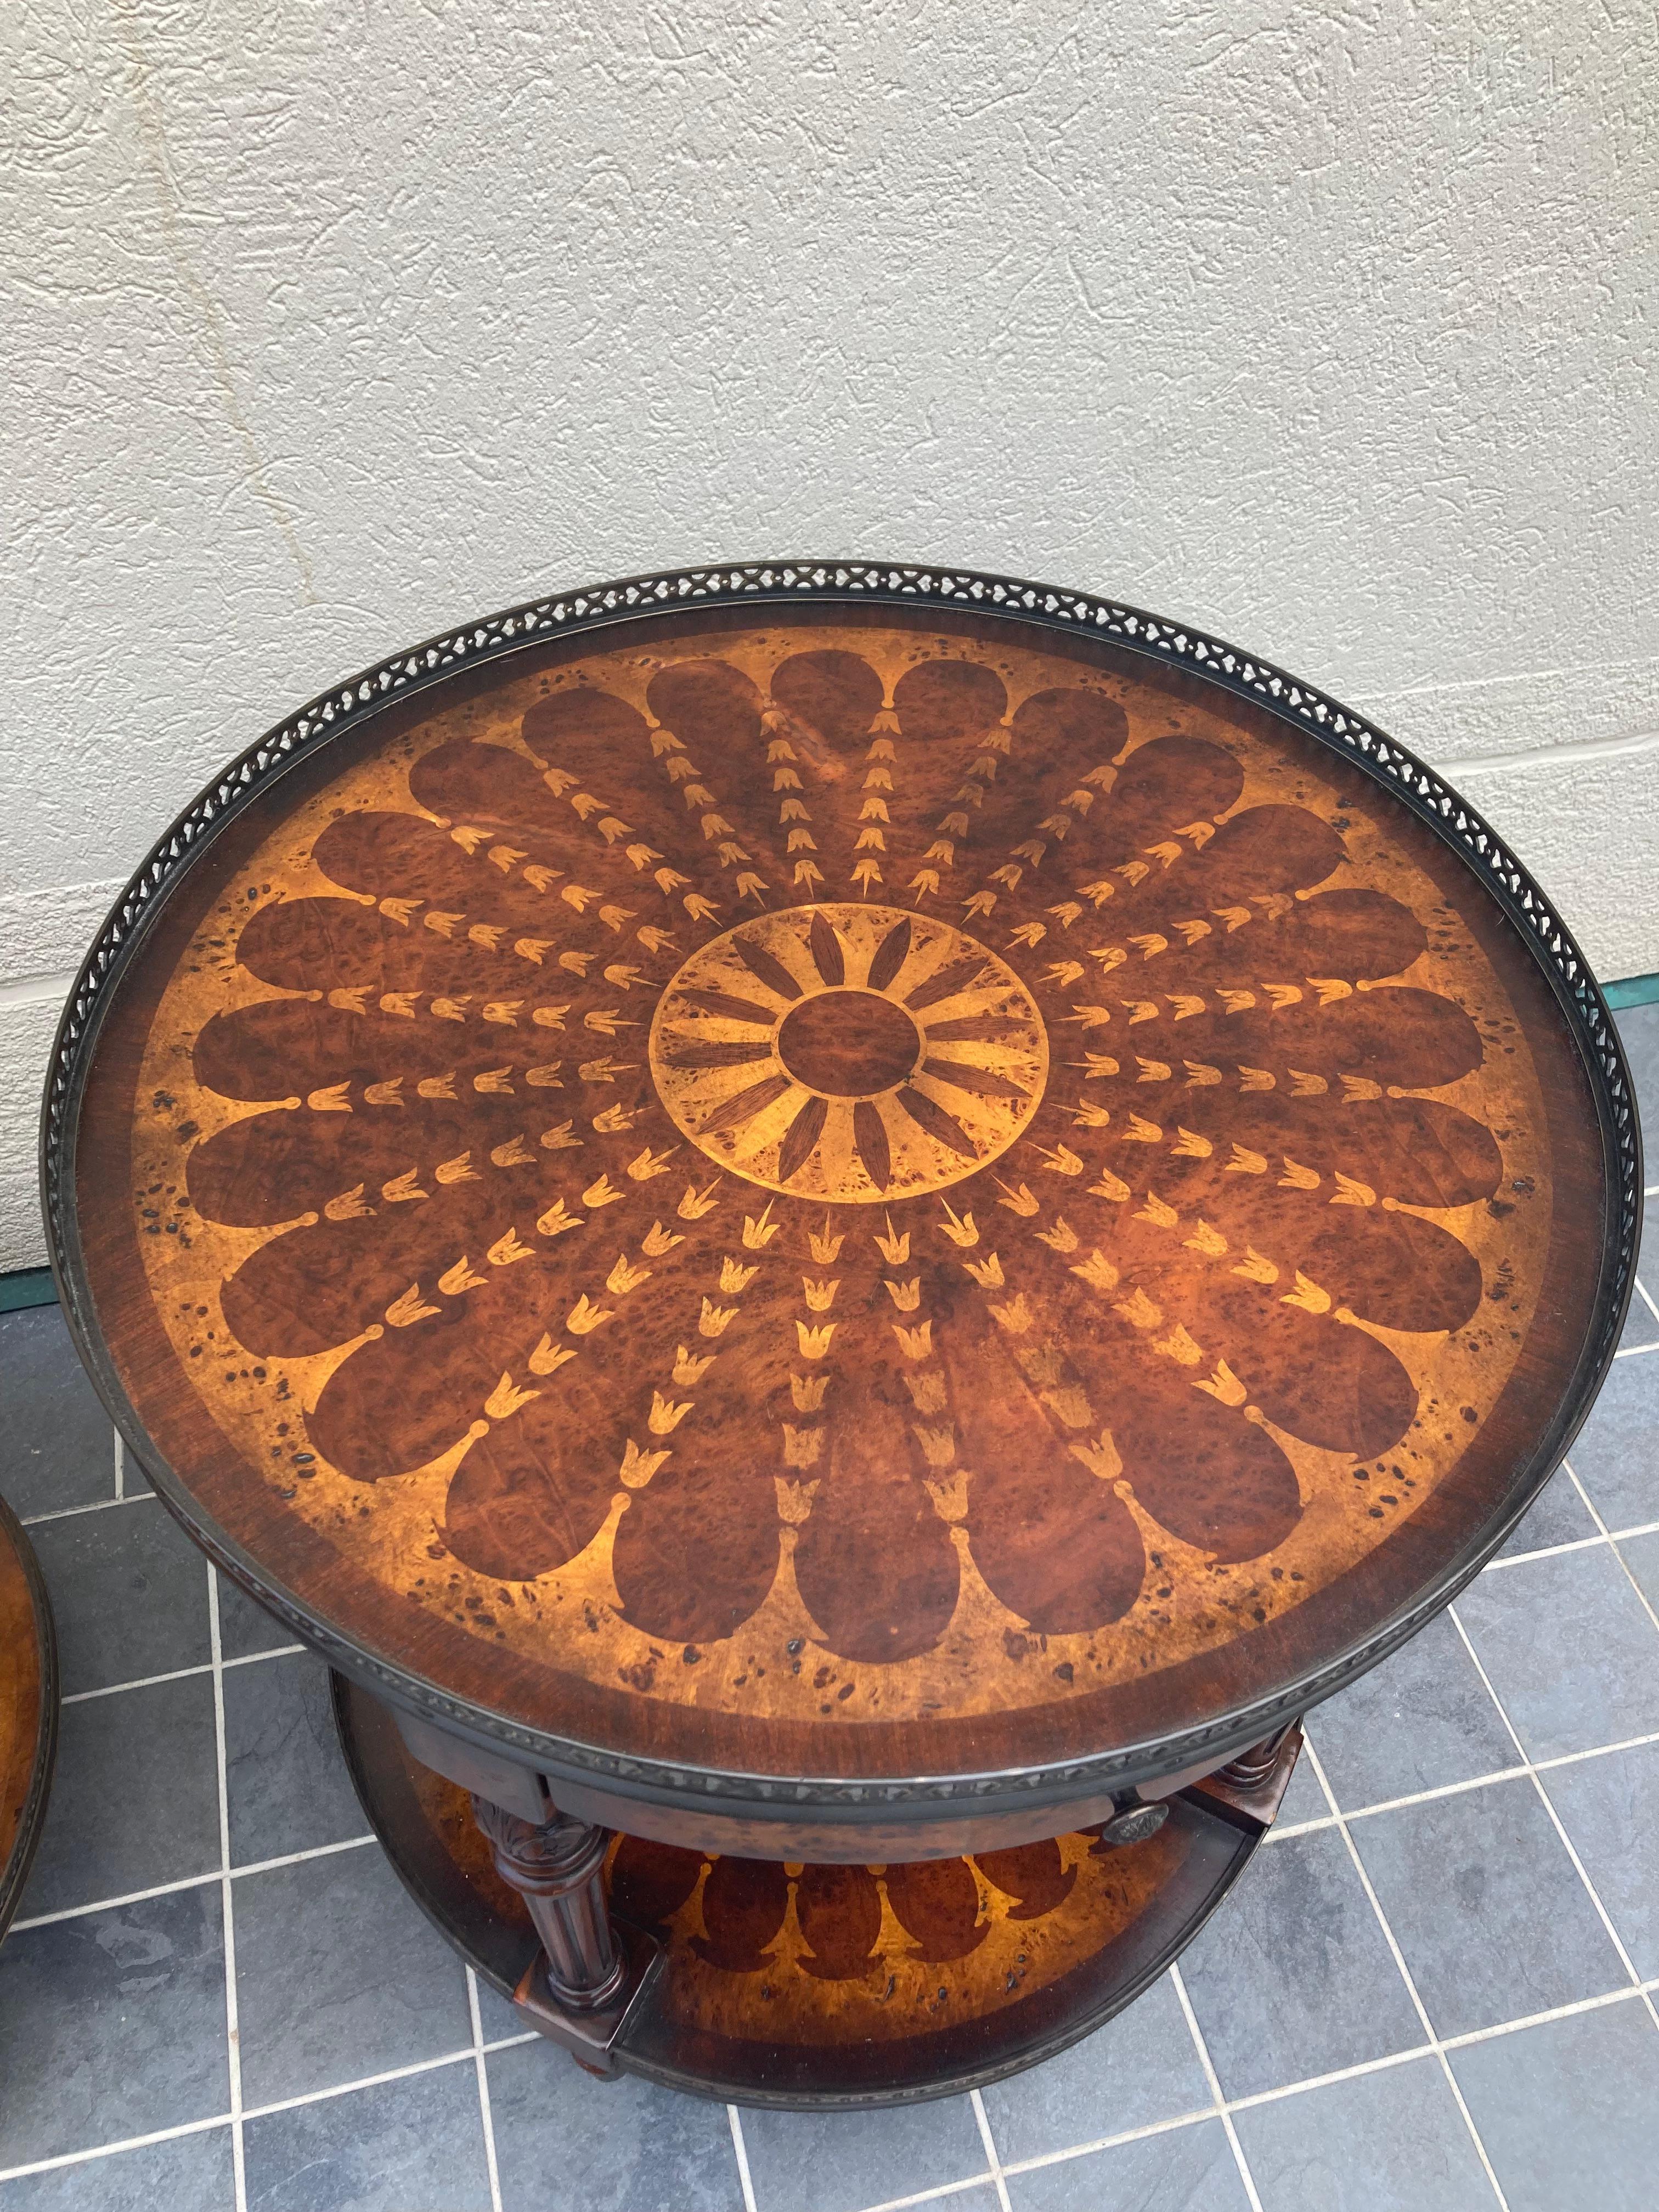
[(28, 1708), (840, 1191)]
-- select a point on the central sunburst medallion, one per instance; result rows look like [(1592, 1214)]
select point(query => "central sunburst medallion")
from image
[(848, 1052)]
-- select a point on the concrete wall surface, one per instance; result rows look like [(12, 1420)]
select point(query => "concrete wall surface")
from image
[(1327, 325)]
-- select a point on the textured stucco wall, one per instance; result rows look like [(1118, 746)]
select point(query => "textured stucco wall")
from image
[(1326, 326)]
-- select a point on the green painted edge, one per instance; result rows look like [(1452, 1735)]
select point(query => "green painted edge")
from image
[(34, 1286), (1634, 991)]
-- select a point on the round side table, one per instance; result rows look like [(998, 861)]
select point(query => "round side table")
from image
[(839, 1232), (28, 1708)]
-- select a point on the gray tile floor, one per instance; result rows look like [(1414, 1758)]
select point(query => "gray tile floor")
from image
[(1434, 1989)]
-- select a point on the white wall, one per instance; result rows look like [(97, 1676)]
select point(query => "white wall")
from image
[(1328, 326)]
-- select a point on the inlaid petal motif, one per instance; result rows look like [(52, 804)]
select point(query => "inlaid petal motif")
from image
[(848, 1006), (831, 1171)]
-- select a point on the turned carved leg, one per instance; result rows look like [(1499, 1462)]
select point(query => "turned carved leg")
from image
[(1254, 1782), (1251, 1768), (555, 1869)]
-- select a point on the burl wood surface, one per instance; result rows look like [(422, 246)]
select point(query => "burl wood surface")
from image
[(852, 1195), (808, 1959), (20, 1716)]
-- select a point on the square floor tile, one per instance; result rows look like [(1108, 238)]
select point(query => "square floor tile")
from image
[(1616, 1454), (128, 1594), (287, 1782), (414, 2142), (112, 2025), (1487, 1906), (1557, 1516), (1639, 1027), (1139, 2069), (1293, 1977), (60, 1445), (1569, 2109), (339, 1975), (564, 2139), (1569, 1648), (1422, 1719), (1189, 2169), (135, 1798), (1389, 2141), (246, 1627), (842, 2161), (1610, 1807), (190, 2173)]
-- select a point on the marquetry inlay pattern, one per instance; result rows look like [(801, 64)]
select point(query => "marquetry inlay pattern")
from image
[(841, 1173)]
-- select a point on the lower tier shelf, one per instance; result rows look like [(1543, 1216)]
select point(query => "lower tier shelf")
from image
[(809, 1986)]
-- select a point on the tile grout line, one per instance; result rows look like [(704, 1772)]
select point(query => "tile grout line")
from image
[(486, 2117), (1571, 1473), (1596, 1751), (1321, 1777), (1418, 2051), (1640, 1992), (298, 1858), (66, 2158), (461, 2057), (113, 1904), (1171, 2126), (1461, 1789), (1214, 2080), (1311, 2082), (143, 1682), (1409, 1979), (940, 2194), (1556, 1822), (1615, 1541), (1464, 2042), (1395, 1804), (1316, 2082), (191, 1882), (1546, 1552), (992, 2156), (1246, 2104), (232, 2021), (98, 1505), (179, 1674), (740, 2152), (1578, 1543)]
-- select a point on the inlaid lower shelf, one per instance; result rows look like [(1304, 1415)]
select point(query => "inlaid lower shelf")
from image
[(789, 1984)]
